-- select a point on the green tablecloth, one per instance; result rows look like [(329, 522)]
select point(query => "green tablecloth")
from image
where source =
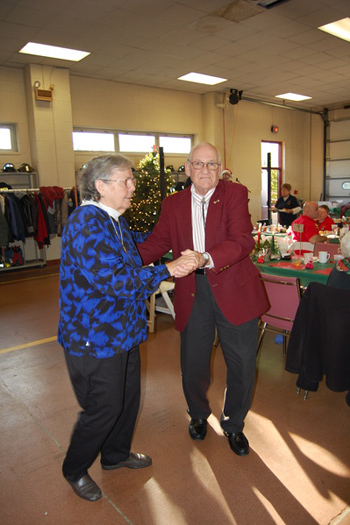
[(333, 240), (269, 234), (319, 273)]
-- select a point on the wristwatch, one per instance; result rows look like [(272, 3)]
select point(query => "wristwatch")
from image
[(206, 257)]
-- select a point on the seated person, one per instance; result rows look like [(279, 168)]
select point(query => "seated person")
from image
[(287, 206), (227, 175), (310, 233), (324, 221), (340, 275)]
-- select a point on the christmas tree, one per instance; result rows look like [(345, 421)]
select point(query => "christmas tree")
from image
[(146, 201)]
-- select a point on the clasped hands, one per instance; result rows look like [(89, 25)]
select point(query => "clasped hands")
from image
[(189, 261)]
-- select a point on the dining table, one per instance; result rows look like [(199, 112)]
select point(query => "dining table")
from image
[(295, 267)]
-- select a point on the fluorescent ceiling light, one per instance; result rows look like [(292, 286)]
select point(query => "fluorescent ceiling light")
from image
[(202, 79), (293, 96), (340, 29), (62, 53)]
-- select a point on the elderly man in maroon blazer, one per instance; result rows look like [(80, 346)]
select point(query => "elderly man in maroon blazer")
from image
[(211, 217)]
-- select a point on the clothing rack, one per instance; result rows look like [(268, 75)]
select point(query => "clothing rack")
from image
[(36, 190), (29, 190), (38, 260)]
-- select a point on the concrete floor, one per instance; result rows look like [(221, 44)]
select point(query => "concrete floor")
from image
[(298, 470)]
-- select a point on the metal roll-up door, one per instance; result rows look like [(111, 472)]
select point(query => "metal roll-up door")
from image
[(338, 160)]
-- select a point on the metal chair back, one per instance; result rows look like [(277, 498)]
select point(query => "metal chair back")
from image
[(284, 295)]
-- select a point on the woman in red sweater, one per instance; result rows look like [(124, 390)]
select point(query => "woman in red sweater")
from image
[(324, 222)]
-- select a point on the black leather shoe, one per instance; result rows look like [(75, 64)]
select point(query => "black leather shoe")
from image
[(238, 443), (86, 488), (198, 429), (134, 461)]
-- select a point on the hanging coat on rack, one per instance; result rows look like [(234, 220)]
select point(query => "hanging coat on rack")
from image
[(15, 216), (42, 235), (4, 230)]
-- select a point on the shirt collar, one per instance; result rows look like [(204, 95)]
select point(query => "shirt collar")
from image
[(199, 198), (111, 211)]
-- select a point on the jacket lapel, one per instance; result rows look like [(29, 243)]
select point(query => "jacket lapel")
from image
[(185, 212)]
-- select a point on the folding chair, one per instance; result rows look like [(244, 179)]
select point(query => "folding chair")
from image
[(284, 296), (164, 289)]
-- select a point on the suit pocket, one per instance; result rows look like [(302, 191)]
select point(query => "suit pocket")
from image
[(246, 273)]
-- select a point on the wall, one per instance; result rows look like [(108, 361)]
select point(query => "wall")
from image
[(106, 105), (13, 110), (50, 125), (248, 123), (236, 130)]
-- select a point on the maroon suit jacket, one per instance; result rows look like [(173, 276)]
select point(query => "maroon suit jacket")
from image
[(235, 281)]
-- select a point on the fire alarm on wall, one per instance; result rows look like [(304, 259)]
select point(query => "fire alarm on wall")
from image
[(44, 94), (274, 129)]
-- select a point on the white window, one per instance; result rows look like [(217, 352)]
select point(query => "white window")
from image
[(8, 137), (93, 141), (273, 148), (136, 143), (172, 144), (130, 142)]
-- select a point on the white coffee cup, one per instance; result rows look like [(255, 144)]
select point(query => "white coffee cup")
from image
[(323, 257), (308, 257)]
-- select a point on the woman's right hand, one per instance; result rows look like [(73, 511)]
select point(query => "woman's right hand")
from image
[(185, 264)]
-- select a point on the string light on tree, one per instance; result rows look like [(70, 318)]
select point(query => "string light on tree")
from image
[(146, 201)]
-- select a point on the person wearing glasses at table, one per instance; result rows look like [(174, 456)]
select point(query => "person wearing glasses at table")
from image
[(103, 288), (211, 217)]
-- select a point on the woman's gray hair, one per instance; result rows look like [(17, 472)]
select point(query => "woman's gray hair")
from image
[(99, 168), (345, 244)]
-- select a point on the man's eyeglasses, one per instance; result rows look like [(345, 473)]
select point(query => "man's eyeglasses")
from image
[(197, 165), (127, 182)]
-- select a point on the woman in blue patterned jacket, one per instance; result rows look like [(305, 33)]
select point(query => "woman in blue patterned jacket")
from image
[(103, 288)]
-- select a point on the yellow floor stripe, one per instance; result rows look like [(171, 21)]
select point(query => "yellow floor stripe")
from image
[(29, 278), (28, 345)]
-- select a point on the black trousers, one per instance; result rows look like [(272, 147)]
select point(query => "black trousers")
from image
[(108, 391), (239, 347)]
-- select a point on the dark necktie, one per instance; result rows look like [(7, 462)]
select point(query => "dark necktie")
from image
[(203, 212)]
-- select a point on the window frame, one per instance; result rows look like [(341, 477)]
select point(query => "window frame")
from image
[(279, 176), (100, 132), (116, 132), (12, 127)]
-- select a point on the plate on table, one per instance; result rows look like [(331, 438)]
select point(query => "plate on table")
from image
[(315, 259)]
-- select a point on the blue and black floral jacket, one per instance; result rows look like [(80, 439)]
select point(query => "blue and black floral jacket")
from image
[(102, 287)]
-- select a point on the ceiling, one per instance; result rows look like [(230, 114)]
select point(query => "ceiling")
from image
[(262, 52)]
